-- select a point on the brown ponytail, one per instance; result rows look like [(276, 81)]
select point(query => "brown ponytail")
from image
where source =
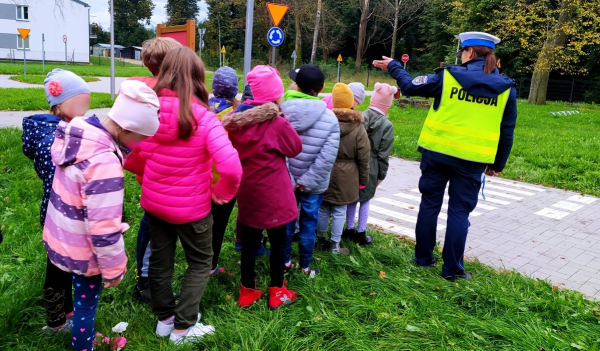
[(183, 72), (490, 57)]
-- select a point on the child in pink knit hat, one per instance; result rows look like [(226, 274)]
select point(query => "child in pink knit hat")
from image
[(381, 136), (264, 138)]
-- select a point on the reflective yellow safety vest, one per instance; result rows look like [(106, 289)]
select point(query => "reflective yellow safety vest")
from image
[(464, 126)]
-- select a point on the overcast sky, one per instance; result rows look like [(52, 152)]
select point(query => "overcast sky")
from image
[(99, 12)]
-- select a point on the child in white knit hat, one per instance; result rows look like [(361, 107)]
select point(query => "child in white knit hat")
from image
[(83, 233)]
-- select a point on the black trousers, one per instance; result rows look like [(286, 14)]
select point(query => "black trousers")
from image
[(221, 214), (252, 238), (58, 295)]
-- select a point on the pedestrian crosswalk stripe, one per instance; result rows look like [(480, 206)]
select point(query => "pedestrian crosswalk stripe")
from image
[(501, 188), (391, 227), (565, 205), (512, 197), (552, 213), (446, 197), (518, 185), (415, 208), (582, 199), (397, 215)]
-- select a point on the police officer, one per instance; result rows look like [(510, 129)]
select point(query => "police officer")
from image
[(468, 133)]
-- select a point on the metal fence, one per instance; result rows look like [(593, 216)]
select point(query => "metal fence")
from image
[(570, 91)]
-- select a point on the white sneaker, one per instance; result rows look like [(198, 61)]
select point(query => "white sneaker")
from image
[(164, 330), (193, 333)]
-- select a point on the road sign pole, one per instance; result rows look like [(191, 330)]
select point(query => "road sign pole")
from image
[(248, 43), (273, 56), (112, 51), (338, 78), (24, 59), (405, 66), (43, 55)]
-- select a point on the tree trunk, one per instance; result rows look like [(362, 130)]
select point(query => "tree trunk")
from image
[(313, 54), (362, 34), (324, 43), (298, 28), (395, 34), (555, 42)]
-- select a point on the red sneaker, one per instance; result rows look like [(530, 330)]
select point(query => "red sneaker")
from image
[(281, 296), (248, 296)]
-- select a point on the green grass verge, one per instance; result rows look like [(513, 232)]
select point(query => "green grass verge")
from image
[(93, 70), (34, 99), (374, 299), (39, 79), (557, 151)]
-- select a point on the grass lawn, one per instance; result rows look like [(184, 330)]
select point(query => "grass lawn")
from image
[(557, 151), (39, 79), (34, 99), (93, 70), (375, 299)]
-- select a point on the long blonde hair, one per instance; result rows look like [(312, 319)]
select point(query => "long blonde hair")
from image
[(183, 72)]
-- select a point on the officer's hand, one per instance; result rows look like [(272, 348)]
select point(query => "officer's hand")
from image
[(490, 172), (383, 64), (379, 181)]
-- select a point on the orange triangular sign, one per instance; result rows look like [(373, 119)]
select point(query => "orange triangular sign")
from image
[(24, 32), (223, 49), (277, 12), (340, 58), (498, 64)]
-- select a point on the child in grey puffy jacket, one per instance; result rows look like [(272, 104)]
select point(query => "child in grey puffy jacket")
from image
[(311, 169)]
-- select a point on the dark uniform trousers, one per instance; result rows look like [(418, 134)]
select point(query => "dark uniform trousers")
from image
[(463, 191)]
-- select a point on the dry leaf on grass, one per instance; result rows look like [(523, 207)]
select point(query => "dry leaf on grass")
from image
[(382, 275)]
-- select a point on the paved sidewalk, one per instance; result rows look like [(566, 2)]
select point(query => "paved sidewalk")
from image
[(541, 232), (15, 118)]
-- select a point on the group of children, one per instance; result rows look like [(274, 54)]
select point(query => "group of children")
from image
[(290, 161)]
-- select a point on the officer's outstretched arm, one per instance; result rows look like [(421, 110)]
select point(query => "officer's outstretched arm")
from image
[(425, 86)]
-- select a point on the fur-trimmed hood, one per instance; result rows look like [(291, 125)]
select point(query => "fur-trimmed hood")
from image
[(348, 119), (247, 115)]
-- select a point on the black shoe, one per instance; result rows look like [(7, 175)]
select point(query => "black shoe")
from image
[(322, 244), (296, 237), (465, 276), (142, 295), (349, 234), (288, 269), (363, 239), (433, 263)]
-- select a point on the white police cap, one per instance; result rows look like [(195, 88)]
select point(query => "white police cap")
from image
[(478, 39)]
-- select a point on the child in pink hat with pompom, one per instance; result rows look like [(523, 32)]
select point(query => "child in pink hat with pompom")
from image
[(381, 136)]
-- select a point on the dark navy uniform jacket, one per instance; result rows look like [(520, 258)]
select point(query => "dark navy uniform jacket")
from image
[(472, 78)]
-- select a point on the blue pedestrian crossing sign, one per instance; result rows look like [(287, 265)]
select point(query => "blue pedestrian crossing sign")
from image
[(275, 36)]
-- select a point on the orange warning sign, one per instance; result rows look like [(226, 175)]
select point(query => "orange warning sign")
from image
[(277, 11), (223, 49), (340, 58), (24, 32)]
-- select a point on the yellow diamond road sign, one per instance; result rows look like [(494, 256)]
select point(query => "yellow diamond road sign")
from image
[(24, 32)]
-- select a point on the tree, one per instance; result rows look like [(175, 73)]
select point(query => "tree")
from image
[(313, 54), (179, 11), (556, 35), (365, 13), (129, 16), (297, 28), (405, 11), (102, 36)]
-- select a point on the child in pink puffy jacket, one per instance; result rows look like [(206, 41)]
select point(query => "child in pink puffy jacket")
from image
[(177, 190)]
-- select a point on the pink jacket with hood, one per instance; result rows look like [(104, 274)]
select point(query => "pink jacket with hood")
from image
[(177, 177)]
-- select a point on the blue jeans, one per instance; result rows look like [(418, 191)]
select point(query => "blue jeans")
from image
[(309, 217), (142, 252), (463, 191)]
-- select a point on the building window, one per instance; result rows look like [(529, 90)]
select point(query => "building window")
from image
[(23, 13), (20, 43)]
